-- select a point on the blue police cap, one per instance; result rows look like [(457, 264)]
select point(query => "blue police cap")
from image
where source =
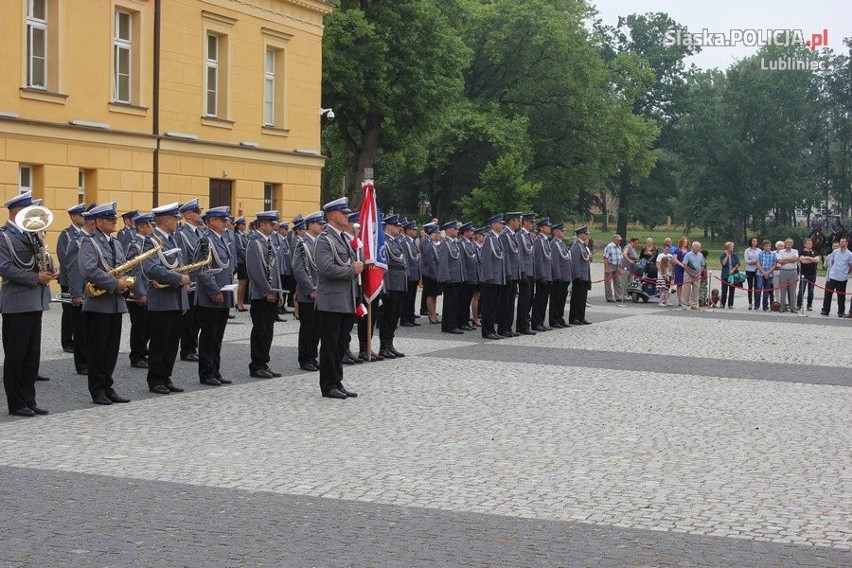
[(466, 227), (190, 205), (99, 211), (169, 209), (450, 225), (267, 216), (336, 205), (76, 209), (544, 221), (495, 219), (221, 211), (558, 227), (23, 200), (143, 218), (582, 230)]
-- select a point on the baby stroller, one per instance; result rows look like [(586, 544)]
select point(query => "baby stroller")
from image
[(640, 285)]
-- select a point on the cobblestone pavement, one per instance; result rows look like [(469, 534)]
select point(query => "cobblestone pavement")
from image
[(651, 438)]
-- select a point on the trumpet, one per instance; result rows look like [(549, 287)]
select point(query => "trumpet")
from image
[(35, 219), (117, 272), (187, 269)]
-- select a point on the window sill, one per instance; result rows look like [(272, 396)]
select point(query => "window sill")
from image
[(43, 95), (127, 108), (275, 131), (217, 122)]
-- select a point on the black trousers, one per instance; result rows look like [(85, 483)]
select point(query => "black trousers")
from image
[(22, 345), (189, 329), (140, 332), (309, 333), (506, 308), (488, 306), (81, 342), (164, 346), (542, 295), (67, 329), (558, 296), (423, 309), (525, 296), (391, 306), (288, 283), (467, 291), (579, 294), (452, 304), (213, 321), (103, 336), (408, 301), (832, 286), (334, 333), (263, 316), (362, 326), (728, 294), (808, 282)]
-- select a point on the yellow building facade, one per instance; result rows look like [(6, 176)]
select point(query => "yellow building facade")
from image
[(146, 102)]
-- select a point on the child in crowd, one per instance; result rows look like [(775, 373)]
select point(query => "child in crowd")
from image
[(715, 298), (664, 278)]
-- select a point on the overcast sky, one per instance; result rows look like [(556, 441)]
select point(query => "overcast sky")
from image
[(723, 15)]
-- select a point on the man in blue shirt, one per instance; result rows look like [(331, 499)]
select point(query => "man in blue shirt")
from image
[(693, 263), (838, 275)]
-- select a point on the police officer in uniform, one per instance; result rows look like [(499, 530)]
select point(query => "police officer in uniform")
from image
[(140, 327), (283, 245), (187, 239), (76, 289), (526, 286), (451, 277), (542, 254), (412, 262), (562, 273), (511, 245), (242, 277), (395, 286), (471, 275), (128, 232), (307, 277), (70, 233), (338, 268), (212, 303), (100, 253), (24, 296), (265, 293), (493, 277), (581, 271)]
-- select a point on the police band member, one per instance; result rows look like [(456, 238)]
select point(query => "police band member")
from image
[(512, 248), (542, 254), (211, 302), (338, 267), (242, 236), (562, 273), (526, 286), (187, 239), (282, 242), (307, 277), (582, 282), (470, 256), (395, 285), (128, 231), (77, 292), (24, 297), (264, 291), (451, 278), (352, 219), (99, 254), (429, 270), (493, 277), (140, 325), (166, 305), (412, 262), (297, 226), (70, 233)]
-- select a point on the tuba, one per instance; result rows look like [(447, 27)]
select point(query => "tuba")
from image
[(35, 219), (117, 272), (188, 268)]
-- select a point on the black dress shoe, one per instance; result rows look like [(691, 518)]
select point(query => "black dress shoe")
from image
[(231, 316), (393, 350), (212, 382), (84, 371), (224, 381), (348, 360), (174, 388), (42, 378), (467, 327), (141, 364), (189, 357), (453, 331), (101, 399), (280, 320), (259, 374), (406, 324), (507, 335), (22, 412), (586, 322), (159, 389), (113, 396), (415, 324), (574, 322), (348, 393), (492, 336), (527, 332), (423, 314), (68, 348), (308, 367), (384, 353), (539, 328), (334, 393), (39, 411), (273, 373)]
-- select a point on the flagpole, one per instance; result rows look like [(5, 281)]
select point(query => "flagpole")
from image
[(369, 331)]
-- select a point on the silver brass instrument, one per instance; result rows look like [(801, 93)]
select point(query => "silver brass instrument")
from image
[(35, 219)]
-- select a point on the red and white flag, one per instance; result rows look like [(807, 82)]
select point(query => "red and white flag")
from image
[(372, 239)]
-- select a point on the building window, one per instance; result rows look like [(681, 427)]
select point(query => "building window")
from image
[(270, 196), (25, 182), (212, 69), (274, 79), (37, 44), (81, 186), (123, 57), (269, 89)]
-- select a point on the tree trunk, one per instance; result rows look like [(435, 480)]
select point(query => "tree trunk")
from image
[(605, 226), (366, 158)]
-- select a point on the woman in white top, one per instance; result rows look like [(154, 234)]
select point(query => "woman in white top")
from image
[(750, 255)]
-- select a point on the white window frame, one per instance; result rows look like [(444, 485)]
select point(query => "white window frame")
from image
[(34, 23), (211, 64), (22, 188), (269, 193), (122, 45), (269, 87), (81, 186)]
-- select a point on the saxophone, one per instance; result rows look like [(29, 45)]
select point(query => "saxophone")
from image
[(188, 268), (117, 272)]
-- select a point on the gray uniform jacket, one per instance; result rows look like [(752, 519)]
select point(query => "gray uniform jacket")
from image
[(525, 239), (97, 256), (512, 247), (134, 249), (68, 234), (581, 261), (76, 284), (262, 267), (493, 261), (210, 283), (412, 258), (426, 258), (543, 255), (396, 278), (240, 246), (450, 263), (305, 267), (231, 239), (282, 247), (470, 257), (125, 235), (337, 287), (562, 269), (187, 238), (160, 268), (21, 291)]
